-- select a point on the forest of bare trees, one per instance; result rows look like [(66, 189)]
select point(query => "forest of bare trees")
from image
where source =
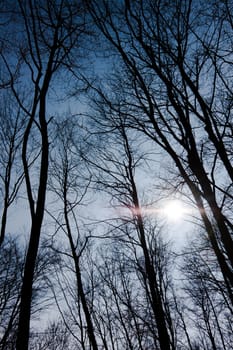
[(108, 111)]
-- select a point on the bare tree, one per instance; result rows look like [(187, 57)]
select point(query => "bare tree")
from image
[(54, 337), (12, 261), (115, 170), (69, 183), (168, 92), (48, 31), (175, 88), (11, 176), (207, 302)]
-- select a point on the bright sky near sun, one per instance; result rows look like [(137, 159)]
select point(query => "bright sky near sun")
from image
[(173, 210)]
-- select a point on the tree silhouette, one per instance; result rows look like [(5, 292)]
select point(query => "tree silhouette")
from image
[(107, 108), (173, 87), (49, 32)]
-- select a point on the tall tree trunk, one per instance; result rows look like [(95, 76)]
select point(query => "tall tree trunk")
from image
[(37, 219)]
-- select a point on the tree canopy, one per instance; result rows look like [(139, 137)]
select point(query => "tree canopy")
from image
[(109, 110)]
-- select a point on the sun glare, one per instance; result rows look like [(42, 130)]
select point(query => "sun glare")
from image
[(173, 210)]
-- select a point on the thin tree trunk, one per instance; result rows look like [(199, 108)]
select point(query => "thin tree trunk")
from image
[(37, 219)]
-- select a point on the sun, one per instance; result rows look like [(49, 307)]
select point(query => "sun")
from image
[(173, 210)]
